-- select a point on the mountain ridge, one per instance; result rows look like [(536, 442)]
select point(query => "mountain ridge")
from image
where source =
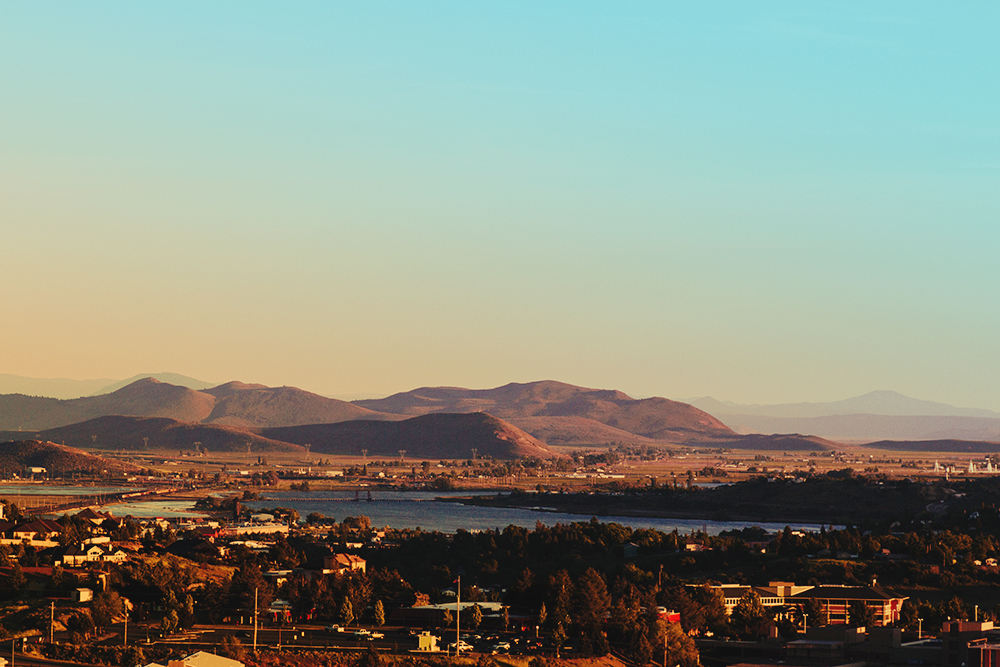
[(656, 418), (609, 415), (880, 402), (232, 404), (444, 435)]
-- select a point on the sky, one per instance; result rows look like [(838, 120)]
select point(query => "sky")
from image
[(760, 202)]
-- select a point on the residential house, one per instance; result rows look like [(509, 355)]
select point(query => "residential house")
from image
[(336, 563), (200, 659), (40, 529)]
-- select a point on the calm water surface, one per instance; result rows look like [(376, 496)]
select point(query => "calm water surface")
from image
[(417, 509), (9, 490)]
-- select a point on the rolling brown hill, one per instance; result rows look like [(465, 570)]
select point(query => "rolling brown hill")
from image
[(947, 446), (446, 435), (239, 404), (16, 456), (147, 398), (573, 431), (231, 404), (430, 436), (152, 433), (655, 418), (789, 442)]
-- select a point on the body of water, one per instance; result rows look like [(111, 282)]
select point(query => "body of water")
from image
[(418, 509), (12, 490), (161, 507)]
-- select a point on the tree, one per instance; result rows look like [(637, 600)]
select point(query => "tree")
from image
[(749, 617), (58, 579), (812, 609), (186, 612), (248, 587), (558, 637), (379, 613), (233, 648), (679, 647), (80, 625), (169, 623), (591, 602), (346, 612), (713, 609), (954, 609), (448, 618), (692, 612), (476, 618), (105, 607), (542, 615), (860, 614), (17, 581), (560, 596)]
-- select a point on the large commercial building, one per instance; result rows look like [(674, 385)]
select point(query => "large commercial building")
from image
[(834, 601)]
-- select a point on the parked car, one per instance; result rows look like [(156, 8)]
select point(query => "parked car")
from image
[(462, 646)]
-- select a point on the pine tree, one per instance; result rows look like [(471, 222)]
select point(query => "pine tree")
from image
[(749, 617), (477, 617), (346, 612)]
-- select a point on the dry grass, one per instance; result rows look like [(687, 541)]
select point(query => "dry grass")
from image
[(199, 572)]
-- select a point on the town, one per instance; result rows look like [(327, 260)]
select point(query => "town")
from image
[(252, 585)]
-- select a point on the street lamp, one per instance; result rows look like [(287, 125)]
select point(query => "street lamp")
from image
[(920, 628)]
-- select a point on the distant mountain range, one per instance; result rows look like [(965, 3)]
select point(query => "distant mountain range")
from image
[(65, 388), (878, 415), (538, 406), (529, 419), (232, 404), (516, 419), (873, 403)]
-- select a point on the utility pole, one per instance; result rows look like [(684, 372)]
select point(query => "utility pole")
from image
[(255, 620), (52, 622), (458, 616), (125, 634)]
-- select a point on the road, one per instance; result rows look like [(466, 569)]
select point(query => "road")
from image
[(301, 637)]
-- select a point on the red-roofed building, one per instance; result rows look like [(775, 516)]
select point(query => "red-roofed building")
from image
[(42, 529), (344, 563)]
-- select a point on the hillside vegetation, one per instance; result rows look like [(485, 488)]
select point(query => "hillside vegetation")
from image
[(15, 457)]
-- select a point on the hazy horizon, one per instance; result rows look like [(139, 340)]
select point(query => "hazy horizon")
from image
[(765, 204)]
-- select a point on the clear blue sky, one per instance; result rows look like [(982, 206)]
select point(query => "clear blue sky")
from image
[(762, 202)]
